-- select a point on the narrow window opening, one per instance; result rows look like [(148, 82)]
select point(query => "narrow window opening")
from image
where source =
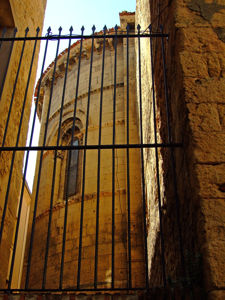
[(72, 169), (131, 26)]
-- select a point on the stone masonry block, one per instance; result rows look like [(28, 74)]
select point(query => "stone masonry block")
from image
[(211, 179), (218, 295)]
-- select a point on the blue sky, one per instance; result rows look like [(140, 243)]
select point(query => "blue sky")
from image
[(65, 13), (85, 12)]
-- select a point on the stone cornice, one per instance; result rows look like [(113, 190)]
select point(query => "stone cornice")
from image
[(74, 56), (77, 198), (125, 18), (82, 96)]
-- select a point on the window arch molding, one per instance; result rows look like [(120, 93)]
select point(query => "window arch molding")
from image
[(71, 159), (67, 123)]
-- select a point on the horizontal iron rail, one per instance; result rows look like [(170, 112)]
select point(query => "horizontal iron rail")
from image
[(92, 147), (72, 290), (97, 36), (170, 145)]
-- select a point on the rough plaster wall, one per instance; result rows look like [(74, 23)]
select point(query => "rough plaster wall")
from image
[(145, 74), (195, 63), (25, 13), (146, 97)]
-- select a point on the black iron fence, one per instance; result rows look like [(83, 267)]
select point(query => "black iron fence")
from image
[(67, 260)]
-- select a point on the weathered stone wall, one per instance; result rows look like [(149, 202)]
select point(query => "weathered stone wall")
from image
[(156, 294), (91, 174), (21, 243), (23, 14), (195, 70)]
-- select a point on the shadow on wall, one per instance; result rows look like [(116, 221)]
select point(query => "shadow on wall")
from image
[(207, 11), (182, 254)]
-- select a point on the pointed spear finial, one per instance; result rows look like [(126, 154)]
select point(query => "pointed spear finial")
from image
[(26, 31), (138, 28), (71, 30), (93, 29), (49, 30)]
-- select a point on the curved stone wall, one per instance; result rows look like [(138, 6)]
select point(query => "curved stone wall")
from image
[(91, 173)]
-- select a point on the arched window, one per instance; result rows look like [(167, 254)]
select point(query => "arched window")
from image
[(72, 169), (71, 160)]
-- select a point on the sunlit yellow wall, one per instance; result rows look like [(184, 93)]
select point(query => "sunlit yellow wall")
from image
[(20, 14)]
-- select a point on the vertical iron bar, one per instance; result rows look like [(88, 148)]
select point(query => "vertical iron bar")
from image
[(54, 167), (3, 34), (5, 132), (77, 85), (17, 142), (142, 160), (172, 157), (14, 88), (69, 162), (113, 159), (7, 66), (157, 165), (40, 164), (128, 168), (33, 127), (99, 164), (84, 163)]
